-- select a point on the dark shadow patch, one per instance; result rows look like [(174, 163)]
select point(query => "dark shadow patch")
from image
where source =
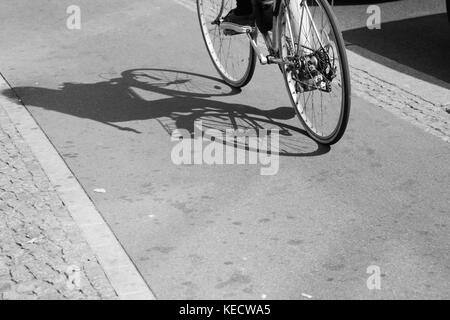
[(418, 47)]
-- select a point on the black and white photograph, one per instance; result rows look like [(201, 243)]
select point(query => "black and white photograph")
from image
[(224, 155)]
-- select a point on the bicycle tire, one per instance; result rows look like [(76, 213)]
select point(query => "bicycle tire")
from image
[(345, 104), (246, 75)]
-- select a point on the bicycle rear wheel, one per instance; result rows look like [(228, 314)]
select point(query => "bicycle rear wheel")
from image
[(232, 55), (317, 76)]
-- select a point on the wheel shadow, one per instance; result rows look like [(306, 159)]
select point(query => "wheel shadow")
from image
[(176, 99)]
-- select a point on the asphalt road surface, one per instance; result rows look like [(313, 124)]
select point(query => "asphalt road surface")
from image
[(380, 197)]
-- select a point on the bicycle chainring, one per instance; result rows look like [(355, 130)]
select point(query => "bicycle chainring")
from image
[(313, 72)]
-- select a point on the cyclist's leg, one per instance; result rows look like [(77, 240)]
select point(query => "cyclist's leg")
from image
[(243, 7), (263, 12), (239, 19)]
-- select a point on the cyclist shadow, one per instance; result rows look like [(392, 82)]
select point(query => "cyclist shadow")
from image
[(176, 99)]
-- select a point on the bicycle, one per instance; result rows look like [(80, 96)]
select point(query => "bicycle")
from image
[(307, 45)]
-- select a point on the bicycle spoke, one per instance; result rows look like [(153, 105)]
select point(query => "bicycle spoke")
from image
[(231, 54), (320, 107)]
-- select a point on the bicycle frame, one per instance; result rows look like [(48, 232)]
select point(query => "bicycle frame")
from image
[(273, 43)]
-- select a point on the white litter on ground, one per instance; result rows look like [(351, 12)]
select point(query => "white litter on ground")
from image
[(33, 240)]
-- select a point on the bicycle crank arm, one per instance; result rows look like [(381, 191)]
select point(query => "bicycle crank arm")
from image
[(261, 57)]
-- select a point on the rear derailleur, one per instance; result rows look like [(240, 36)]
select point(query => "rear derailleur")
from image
[(313, 71)]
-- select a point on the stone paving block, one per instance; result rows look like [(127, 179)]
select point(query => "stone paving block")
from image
[(39, 241)]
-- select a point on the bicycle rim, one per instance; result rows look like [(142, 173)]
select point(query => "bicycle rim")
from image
[(232, 55), (323, 110)]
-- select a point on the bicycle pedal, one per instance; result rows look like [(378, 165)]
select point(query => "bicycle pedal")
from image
[(228, 32), (234, 30)]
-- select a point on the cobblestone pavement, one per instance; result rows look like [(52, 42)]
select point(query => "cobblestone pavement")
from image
[(42, 252), (431, 117)]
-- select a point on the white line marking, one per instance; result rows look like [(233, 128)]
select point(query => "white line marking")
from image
[(121, 272)]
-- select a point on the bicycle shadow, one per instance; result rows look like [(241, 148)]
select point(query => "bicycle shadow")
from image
[(176, 99)]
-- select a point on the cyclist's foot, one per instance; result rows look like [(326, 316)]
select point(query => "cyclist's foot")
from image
[(233, 23)]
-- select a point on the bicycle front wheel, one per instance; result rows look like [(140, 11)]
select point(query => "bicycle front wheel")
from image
[(232, 55), (317, 74)]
